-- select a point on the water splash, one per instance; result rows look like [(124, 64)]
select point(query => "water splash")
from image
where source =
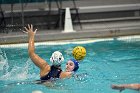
[(17, 73), (3, 62)]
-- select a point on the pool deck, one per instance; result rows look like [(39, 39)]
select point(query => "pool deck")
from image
[(94, 30)]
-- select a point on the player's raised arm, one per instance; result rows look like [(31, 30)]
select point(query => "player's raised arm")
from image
[(38, 61)]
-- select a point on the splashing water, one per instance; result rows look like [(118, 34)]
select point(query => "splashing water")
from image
[(3, 63), (16, 73)]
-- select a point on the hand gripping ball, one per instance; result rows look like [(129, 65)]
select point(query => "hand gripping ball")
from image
[(79, 52)]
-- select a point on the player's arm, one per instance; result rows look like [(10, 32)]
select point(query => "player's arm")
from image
[(66, 75), (31, 48)]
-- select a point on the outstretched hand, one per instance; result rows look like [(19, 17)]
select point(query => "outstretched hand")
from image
[(117, 87), (29, 30)]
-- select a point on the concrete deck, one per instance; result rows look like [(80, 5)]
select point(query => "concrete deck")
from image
[(94, 30)]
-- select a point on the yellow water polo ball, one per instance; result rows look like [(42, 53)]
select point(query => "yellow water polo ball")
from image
[(79, 52)]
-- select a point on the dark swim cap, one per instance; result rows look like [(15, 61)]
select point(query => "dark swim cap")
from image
[(76, 63)]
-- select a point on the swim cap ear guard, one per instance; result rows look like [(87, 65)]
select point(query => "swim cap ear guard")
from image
[(76, 63), (57, 58)]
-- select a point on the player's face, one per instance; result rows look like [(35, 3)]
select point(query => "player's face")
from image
[(69, 66)]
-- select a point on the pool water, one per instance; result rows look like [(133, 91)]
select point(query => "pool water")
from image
[(108, 61)]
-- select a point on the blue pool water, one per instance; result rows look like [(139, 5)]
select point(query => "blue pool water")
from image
[(111, 61)]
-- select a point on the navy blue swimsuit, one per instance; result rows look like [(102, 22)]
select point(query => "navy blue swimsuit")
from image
[(54, 73)]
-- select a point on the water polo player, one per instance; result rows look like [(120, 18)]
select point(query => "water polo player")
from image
[(46, 71)]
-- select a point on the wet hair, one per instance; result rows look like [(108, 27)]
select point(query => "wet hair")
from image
[(76, 64)]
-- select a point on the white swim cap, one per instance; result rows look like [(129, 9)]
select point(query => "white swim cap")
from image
[(57, 58)]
